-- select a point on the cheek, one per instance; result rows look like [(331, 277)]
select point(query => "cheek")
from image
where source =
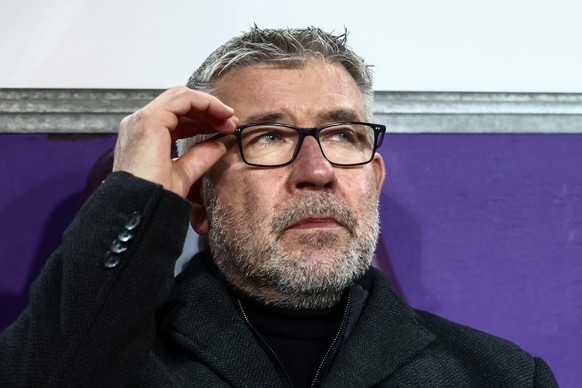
[(359, 193), (261, 196), (229, 186), (250, 193)]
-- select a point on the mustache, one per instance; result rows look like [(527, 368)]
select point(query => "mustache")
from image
[(313, 205)]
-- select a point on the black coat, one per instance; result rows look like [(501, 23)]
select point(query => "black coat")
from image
[(105, 319)]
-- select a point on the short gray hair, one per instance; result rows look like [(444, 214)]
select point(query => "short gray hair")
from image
[(287, 48)]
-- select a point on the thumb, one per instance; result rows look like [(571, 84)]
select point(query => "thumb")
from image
[(193, 164)]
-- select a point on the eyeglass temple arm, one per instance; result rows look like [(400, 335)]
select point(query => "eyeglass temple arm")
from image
[(215, 137)]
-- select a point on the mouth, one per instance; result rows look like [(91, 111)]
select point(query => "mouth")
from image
[(317, 222), (315, 214)]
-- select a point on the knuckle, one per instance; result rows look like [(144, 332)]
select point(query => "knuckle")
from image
[(179, 90), (138, 115), (133, 122), (126, 121)]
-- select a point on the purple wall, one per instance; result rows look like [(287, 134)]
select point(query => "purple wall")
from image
[(42, 179), (485, 230)]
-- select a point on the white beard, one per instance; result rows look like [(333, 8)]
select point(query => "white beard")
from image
[(249, 249)]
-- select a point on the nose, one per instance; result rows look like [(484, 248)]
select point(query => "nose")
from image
[(311, 170)]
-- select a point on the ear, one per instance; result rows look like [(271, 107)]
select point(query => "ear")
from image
[(379, 171), (199, 218)]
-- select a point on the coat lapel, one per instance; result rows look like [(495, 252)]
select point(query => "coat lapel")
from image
[(386, 337), (202, 317)]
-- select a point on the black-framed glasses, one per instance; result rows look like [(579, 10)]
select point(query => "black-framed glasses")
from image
[(277, 144)]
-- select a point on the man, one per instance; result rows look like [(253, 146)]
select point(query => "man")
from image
[(287, 192)]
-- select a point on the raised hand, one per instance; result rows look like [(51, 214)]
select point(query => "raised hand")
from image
[(145, 138)]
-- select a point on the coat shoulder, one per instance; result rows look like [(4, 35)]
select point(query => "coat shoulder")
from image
[(482, 356), (459, 337)]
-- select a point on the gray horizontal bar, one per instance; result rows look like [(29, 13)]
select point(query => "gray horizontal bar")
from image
[(488, 103), (60, 123), (73, 100), (101, 110), (481, 123)]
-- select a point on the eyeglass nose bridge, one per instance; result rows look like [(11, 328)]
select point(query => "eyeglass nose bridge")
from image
[(303, 133)]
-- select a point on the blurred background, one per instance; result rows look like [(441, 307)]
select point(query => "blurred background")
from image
[(420, 45)]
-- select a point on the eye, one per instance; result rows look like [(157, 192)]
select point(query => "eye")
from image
[(344, 134), (267, 136)]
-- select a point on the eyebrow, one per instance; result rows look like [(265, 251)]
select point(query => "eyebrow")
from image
[(271, 117), (335, 115), (341, 114)]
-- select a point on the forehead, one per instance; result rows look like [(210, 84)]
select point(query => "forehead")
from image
[(295, 95)]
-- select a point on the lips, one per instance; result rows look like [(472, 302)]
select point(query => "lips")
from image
[(317, 211), (317, 222)]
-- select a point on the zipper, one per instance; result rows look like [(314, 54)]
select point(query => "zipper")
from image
[(265, 344), (279, 364), (335, 339)]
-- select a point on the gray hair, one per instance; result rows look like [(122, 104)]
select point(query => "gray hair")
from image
[(287, 48)]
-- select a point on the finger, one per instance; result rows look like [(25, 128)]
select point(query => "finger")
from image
[(188, 112), (189, 127), (196, 162), (183, 101)]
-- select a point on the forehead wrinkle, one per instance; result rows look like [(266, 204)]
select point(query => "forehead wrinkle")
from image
[(272, 98), (340, 114), (269, 117), (334, 115)]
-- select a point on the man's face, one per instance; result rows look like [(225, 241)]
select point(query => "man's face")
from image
[(295, 235)]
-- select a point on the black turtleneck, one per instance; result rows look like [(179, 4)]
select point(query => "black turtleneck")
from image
[(298, 340)]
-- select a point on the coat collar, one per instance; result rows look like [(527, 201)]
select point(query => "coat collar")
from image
[(387, 336), (202, 316)]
